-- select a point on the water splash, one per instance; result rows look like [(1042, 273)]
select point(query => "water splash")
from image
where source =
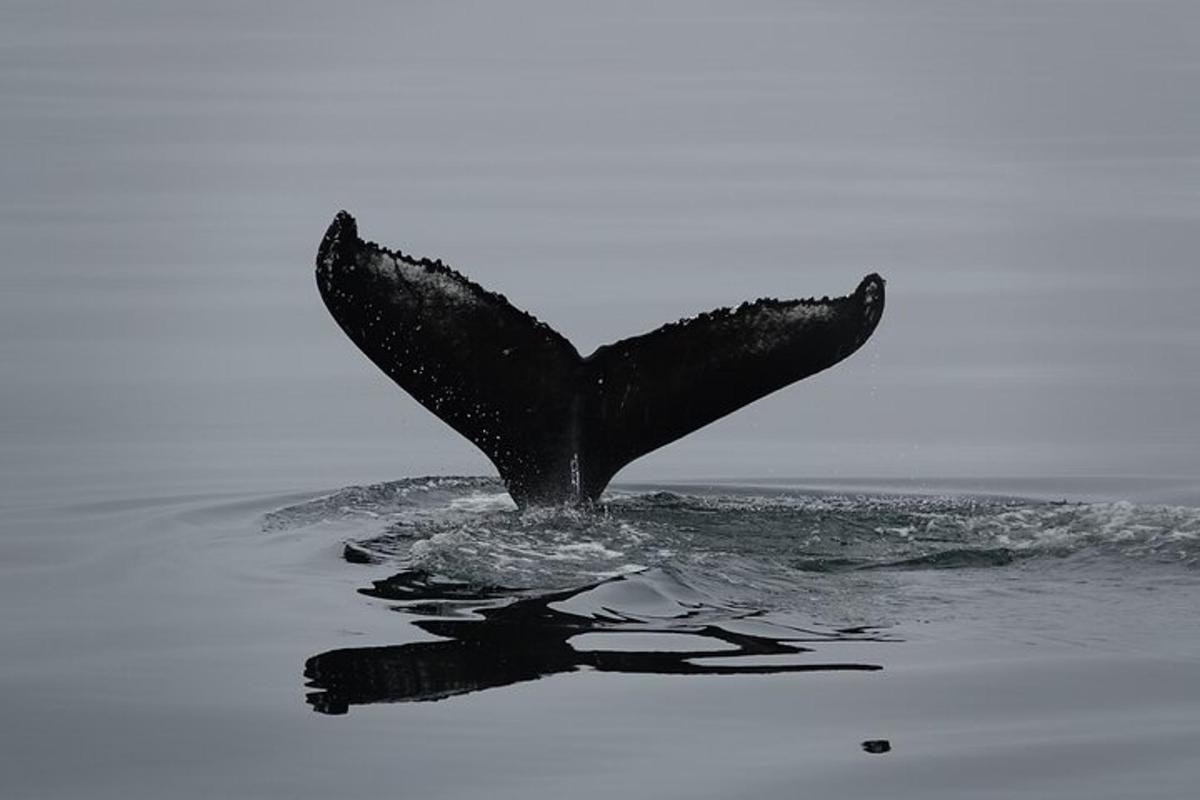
[(468, 529), (711, 581)]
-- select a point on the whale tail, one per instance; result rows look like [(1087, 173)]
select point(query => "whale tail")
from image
[(558, 426)]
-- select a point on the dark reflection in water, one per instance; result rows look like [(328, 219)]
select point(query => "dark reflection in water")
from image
[(495, 637)]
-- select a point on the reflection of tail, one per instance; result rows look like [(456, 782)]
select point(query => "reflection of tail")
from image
[(529, 639), (558, 426), (425, 671)]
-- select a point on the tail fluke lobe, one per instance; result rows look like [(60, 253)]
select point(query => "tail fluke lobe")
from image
[(653, 389), (492, 372), (558, 426)]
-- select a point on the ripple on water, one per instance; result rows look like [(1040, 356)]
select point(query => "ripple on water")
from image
[(715, 581), (466, 528)]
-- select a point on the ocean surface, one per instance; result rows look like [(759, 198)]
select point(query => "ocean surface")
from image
[(423, 638), (222, 574)]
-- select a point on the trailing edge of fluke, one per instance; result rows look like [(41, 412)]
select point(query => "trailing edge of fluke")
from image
[(558, 426)]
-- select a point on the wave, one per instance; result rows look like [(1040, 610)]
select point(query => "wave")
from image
[(706, 582), (466, 528)]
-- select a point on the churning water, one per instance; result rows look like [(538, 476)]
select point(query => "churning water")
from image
[(713, 580)]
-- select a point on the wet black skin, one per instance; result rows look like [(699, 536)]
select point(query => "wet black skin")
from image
[(558, 426)]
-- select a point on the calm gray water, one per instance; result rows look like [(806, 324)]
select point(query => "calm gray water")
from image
[(181, 610), (423, 638)]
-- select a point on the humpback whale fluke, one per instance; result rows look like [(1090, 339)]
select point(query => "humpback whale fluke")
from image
[(556, 425)]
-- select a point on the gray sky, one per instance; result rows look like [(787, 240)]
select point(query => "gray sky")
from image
[(1025, 175)]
